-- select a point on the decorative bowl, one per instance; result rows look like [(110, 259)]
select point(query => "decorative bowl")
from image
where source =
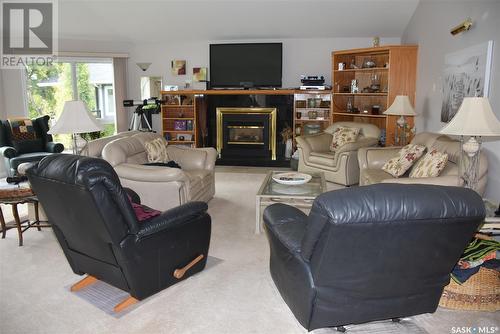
[(292, 178)]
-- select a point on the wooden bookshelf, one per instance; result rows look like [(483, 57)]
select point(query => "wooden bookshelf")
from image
[(394, 72), (179, 126), (312, 111)]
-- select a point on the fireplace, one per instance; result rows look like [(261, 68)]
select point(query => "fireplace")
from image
[(246, 132)]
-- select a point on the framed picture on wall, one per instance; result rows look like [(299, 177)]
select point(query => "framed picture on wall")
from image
[(466, 73), (199, 74), (178, 67)]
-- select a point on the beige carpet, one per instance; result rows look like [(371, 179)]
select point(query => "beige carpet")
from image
[(235, 296)]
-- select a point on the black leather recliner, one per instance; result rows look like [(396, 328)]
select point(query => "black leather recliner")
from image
[(369, 253), (16, 152), (100, 235)]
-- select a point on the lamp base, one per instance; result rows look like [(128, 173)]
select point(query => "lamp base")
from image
[(79, 144), (469, 162), (401, 134)]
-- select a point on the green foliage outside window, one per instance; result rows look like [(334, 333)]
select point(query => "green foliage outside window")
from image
[(86, 91), (49, 87)]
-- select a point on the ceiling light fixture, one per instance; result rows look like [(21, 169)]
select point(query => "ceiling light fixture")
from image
[(143, 66)]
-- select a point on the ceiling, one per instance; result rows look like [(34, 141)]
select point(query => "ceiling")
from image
[(150, 21)]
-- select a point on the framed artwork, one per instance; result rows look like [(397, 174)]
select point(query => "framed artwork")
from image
[(467, 73), (178, 67), (199, 74), (180, 125)]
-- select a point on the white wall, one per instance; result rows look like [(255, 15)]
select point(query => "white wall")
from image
[(13, 92), (300, 56), (2, 99), (430, 28)]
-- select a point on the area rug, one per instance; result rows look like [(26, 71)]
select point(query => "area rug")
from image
[(105, 296), (237, 295)]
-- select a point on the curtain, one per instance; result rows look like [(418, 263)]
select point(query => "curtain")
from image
[(120, 85)]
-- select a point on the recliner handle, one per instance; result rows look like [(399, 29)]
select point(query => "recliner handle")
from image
[(179, 273)]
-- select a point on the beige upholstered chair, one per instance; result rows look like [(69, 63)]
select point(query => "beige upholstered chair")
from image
[(160, 187), (339, 167), (372, 159)]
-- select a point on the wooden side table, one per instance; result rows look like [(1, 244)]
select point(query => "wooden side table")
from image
[(14, 196)]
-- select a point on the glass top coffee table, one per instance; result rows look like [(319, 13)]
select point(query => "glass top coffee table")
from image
[(300, 196)]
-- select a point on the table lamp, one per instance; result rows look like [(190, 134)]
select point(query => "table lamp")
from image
[(474, 119), (401, 107), (75, 119)]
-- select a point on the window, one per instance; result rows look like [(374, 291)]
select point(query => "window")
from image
[(91, 81)]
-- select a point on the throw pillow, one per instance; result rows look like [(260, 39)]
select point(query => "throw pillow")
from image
[(342, 136), (405, 158), (431, 165), (143, 212), (157, 150), (23, 136), (22, 129)]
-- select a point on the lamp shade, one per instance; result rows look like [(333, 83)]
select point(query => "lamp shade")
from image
[(401, 107), (75, 118), (473, 118)]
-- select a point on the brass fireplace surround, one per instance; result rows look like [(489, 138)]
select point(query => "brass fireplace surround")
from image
[(220, 112)]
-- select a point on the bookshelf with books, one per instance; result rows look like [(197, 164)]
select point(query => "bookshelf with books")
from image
[(178, 113)]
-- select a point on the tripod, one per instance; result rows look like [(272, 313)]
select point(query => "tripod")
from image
[(137, 119)]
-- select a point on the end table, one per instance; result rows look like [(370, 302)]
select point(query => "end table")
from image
[(14, 196)]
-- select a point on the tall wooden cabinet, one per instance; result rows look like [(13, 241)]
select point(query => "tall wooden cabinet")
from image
[(380, 74)]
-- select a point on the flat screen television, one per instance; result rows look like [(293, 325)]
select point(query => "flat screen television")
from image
[(246, 65)]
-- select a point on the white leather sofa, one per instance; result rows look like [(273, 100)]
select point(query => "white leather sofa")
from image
[(372, 159), (94, 147), (339, 167), (162, 188)]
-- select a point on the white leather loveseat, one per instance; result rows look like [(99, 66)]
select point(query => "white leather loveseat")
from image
[(162, 188), (372, 159)]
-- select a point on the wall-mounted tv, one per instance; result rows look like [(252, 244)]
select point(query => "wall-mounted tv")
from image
[(246, 65)]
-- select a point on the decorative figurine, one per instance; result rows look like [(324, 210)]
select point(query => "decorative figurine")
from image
[(353, 65), (354, 86), (349, 107), (376, 42)]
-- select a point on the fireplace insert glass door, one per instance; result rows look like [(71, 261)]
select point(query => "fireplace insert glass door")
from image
[(245, 135), (246, 132)]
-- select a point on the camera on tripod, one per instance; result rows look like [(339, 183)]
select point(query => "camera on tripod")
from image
[(141, 117)]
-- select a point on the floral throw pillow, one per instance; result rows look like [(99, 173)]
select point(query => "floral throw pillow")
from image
[(342, 136), (406, 157), (157, 150), (431, 165)]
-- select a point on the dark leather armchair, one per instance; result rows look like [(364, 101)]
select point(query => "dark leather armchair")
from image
[(100, 235), (369, 253), (16, 152)]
